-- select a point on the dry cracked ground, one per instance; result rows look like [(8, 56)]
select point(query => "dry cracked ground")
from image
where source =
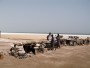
[(65, 57)]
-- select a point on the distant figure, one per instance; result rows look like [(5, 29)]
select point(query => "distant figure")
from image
[(87, 41), (1, 55), (58, 40), (49, 37), (52, 42)]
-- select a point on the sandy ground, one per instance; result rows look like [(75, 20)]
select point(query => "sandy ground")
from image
[(65, 57), (25, 37)]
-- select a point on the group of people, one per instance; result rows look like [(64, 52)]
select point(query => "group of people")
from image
[(54, 40)]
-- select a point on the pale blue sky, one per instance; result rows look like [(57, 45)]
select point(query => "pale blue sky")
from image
[(58, 16)]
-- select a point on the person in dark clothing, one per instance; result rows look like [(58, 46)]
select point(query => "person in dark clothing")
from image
[(58, 40), (52, 42), (87, 41), (49, 37)]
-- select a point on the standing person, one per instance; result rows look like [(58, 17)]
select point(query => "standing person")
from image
[(58, 40), (49, 37), (87, 41), (52, 42)]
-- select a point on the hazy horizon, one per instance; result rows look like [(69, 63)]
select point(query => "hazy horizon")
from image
[(45, 32), (44, 16)]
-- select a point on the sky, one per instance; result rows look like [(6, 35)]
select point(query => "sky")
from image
[(57, 16)]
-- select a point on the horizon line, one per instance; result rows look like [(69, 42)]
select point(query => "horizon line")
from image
[(48, 33)]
